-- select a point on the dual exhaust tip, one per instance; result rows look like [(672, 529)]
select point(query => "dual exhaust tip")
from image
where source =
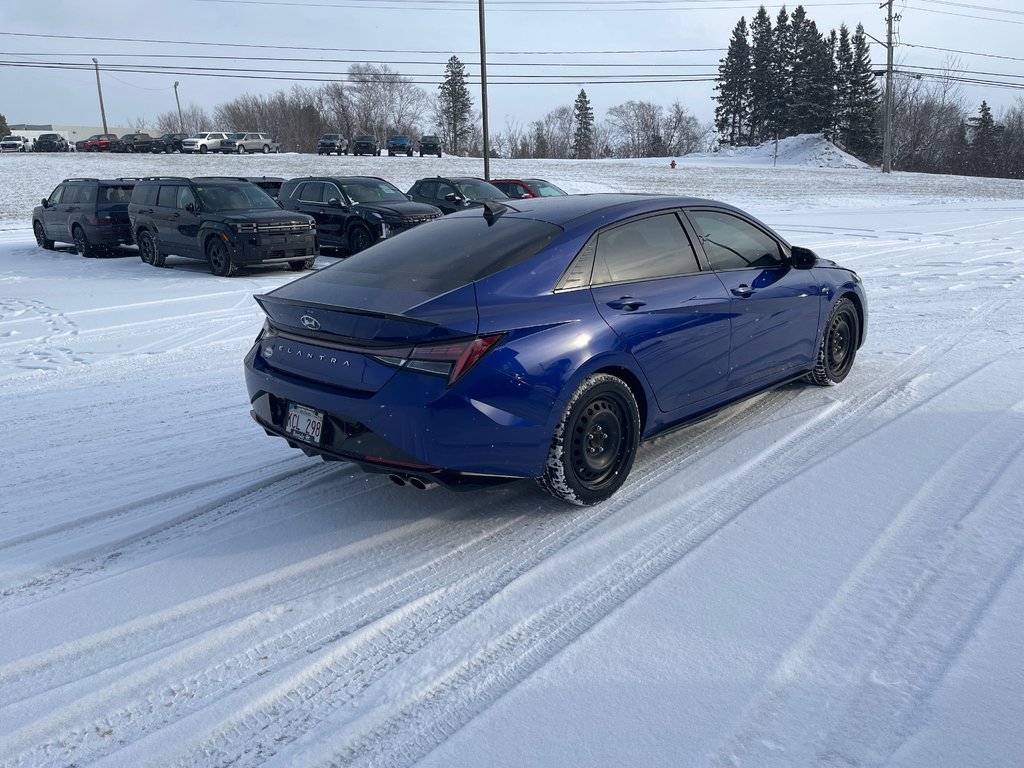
[(416, 482)]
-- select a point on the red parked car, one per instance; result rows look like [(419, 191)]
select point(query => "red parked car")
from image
[(520, 188), (99, 143)]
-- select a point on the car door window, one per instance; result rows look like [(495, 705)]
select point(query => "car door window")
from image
[(312, 192), (168, 197), (56, 195), (443, 190), (86, 194), (644, 249), (428, 190), (70, 194), (331, 192), (732, 243), (185, 198)]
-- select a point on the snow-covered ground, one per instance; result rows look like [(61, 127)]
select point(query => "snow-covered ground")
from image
[(817, 577)]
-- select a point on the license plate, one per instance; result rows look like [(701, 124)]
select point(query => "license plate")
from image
[(304, 423)]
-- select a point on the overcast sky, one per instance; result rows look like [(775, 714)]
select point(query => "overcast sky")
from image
[(529, 43)]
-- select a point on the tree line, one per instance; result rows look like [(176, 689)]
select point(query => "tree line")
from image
[(788, 78), (373, 99)]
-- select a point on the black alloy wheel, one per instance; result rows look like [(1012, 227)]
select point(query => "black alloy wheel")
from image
[(220, 258), (41, 239), (359, 239), (82, 244)]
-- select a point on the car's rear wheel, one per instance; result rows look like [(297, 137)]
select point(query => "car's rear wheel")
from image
[(41, 239), (148, 251), (359, 239), (838, 345), (82, 244), (595, 443), (219, 256)]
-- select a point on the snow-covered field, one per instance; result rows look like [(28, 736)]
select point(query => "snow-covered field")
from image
[(817, 577)]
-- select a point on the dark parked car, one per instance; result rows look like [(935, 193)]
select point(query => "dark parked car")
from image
[(354, 212), (399, 144), (365, 145), (168, 143), (520, 188), (546, 340), (90, 213), (269, 184), (225, 222), (453, 194), (101, 142), (430, 145), (132, 142), (332, 144), (52, 142)]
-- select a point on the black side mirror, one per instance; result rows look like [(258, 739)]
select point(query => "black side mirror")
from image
[(336, 203), (46, 203), (190, 207), (803, 258)]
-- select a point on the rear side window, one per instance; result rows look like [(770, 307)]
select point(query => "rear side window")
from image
[(168, 196), (644, 249), (144, 194), (115, 194), (312, 192), (70, 194), (444, 254)]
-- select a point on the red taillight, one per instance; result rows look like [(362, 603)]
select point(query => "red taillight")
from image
[(451, 359)]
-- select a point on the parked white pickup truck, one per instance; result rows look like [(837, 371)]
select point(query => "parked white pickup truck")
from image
[(16, 144)]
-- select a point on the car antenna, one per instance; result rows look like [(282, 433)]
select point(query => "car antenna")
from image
[(492, 210)]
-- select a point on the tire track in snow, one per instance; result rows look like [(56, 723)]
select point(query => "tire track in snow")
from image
[(904, 615)]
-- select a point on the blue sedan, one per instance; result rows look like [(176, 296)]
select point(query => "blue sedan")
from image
[(545, 338)]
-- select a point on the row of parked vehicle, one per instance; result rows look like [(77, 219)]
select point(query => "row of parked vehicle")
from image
[(47, 142), (233, 222), (366, 144)]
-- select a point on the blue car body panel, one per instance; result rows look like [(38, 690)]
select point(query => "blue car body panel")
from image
[(695, 343)]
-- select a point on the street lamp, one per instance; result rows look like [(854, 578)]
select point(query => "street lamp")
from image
[(181, 123)]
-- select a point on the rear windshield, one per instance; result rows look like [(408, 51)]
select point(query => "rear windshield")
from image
[(445, 254), (241, 197)]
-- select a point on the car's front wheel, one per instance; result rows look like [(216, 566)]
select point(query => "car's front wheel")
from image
[(266, 149), (359, 239), (299, 266), (838, 345), (595, 443), (41, 239), (82, 244), (219, 256)]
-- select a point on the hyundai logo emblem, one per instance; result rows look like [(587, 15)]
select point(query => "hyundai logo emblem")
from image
[(310, 322)]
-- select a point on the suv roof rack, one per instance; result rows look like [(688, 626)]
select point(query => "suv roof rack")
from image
[(83, 178), (163, 178)]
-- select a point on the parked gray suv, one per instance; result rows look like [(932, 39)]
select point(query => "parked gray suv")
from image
[(225, 222)]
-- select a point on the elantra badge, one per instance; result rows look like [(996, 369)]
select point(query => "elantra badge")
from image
[(310, 322)]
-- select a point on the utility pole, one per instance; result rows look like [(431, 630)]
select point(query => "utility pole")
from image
[(483, 94), (887, 126), (103, 113), (181, 123)]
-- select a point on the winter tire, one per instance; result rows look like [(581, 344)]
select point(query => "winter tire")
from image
[(594, 444), (359, 239), (82, 244), (219, 256), (838, 345), (266, 149), (41, 239), (148, 251)]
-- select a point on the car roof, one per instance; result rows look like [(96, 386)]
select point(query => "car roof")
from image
[(342, 179), (564, 209)]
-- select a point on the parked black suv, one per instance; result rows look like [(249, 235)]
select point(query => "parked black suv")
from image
[(455, 193), (365, 145), (168, 143), (430, 145), (354, 212), (332, 143), (90, 213), (226, 222), (132, 142), (52, 142)]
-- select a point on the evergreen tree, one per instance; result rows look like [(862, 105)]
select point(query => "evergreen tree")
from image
[(733, 110), (810, 78), (5, 131), (844, 86), (583, 137), (863, 132), (783, 71), (765, 84), (984, 137), (454, 106)]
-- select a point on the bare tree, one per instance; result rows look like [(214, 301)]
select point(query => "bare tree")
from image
[(927, 119), (636, 129), (194, 117), (683, 133)]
